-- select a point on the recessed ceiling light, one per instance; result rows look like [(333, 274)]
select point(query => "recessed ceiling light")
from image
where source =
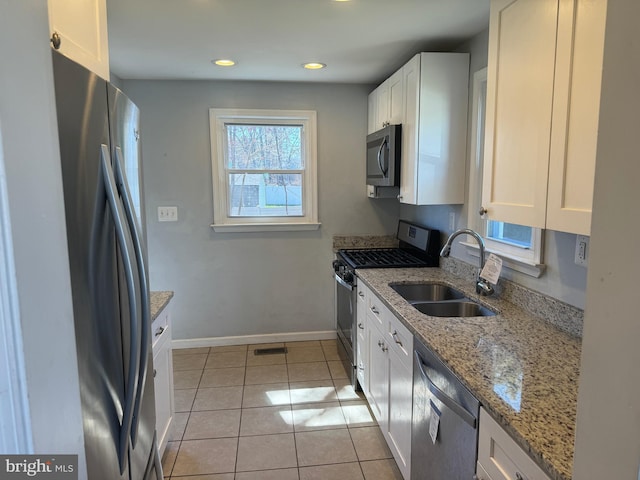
[(224, 62), (314, 66)]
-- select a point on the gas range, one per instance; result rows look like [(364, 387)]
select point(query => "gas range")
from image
[(381, 258), (418, 247)]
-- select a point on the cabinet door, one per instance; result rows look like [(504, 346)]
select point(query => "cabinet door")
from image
[(163, 385), (372, 117), (522, 48), (576, 108), (408, 165), (378, 377), (396, 98), (400, 407), (82, 27), (382, 107), (362, 343)]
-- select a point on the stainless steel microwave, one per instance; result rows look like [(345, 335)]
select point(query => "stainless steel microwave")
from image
[(383, 156)]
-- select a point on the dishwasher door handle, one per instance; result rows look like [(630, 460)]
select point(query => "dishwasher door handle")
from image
[(458, 409)]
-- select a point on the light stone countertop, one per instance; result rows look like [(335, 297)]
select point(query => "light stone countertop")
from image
[(159, 301), (523, 369)]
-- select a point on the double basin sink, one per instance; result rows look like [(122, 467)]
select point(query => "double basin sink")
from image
[(440, 300)]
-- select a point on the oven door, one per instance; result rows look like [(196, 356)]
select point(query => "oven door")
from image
[(345, 325)]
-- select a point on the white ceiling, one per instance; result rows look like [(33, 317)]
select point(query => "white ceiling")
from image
[(361, 41)]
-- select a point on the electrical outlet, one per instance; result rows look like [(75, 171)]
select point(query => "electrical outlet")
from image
[(452, 221), (167, 214), (582, 250)]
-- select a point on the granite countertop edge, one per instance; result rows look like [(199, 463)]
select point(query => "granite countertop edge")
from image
[(544, 359), (158, 301)]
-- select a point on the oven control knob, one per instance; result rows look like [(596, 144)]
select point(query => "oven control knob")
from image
[(348, 277), (336, 265)]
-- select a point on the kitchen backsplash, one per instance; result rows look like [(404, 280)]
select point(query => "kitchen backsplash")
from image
[(562, 315), (364, 241)]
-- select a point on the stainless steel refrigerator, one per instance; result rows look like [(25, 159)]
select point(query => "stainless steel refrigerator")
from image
[(100, 153)]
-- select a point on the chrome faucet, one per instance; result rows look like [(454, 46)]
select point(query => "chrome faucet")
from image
[(483, 287)]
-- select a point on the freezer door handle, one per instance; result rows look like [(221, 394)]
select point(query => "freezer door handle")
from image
[(145, 324), (128, 260), (458, 409)]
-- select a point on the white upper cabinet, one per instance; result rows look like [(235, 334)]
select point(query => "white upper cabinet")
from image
[(543, 90), (576, 108), (386, 103), (428, 97), (434, 129), (81, 26)]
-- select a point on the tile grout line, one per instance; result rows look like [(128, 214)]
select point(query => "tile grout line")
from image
[(290, 404)]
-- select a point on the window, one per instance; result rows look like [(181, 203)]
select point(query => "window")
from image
[(264, 169), (519, 246)]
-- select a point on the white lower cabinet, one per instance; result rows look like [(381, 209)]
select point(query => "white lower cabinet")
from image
[(378, 376), (163, 376), (390, 379), (362, 342), (500, 458), (400, 407)]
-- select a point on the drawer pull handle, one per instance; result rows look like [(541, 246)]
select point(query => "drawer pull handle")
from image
[(395, 337), (519, 476), (159, 331), (375, 310), (361, 326), (154, 373), (361, 294)]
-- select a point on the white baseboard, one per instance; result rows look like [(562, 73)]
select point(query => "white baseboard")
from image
[(253, 339)]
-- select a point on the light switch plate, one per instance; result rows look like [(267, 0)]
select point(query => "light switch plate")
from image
[(167, 214), (582, 250)]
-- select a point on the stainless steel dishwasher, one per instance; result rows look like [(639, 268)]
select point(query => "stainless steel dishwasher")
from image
[(444, 436)]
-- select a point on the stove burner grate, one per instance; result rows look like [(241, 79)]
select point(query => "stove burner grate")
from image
[(381, 257)]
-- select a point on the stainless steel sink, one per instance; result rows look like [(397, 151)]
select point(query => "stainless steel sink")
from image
[(453, 309), (440, 300), (426, 292)]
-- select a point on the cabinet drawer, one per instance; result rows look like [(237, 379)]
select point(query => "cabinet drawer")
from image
[(481, 473), (159, 327), (401, 341), (363, 293), (499, 455), (377, 312)]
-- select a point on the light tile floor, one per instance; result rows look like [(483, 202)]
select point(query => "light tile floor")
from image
[(293, 416)]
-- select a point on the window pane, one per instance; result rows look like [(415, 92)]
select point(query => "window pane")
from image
[(509, 233), (265, 195), (264, 147)]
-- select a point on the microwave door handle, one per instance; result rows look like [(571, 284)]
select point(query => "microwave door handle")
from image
[(382, 169)]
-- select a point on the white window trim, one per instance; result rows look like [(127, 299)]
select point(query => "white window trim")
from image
[(524, 260), (222, 222)]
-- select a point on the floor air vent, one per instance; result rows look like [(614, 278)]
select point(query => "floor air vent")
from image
[(270, 351)]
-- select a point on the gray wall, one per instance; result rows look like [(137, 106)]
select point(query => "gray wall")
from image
[(37, 229), (562, 279), (608, 425), (229, 284)]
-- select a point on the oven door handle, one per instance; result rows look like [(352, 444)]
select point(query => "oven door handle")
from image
[(343, 283)]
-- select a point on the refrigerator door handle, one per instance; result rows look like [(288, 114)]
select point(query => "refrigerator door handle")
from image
[(128, 260), (123, 188)]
